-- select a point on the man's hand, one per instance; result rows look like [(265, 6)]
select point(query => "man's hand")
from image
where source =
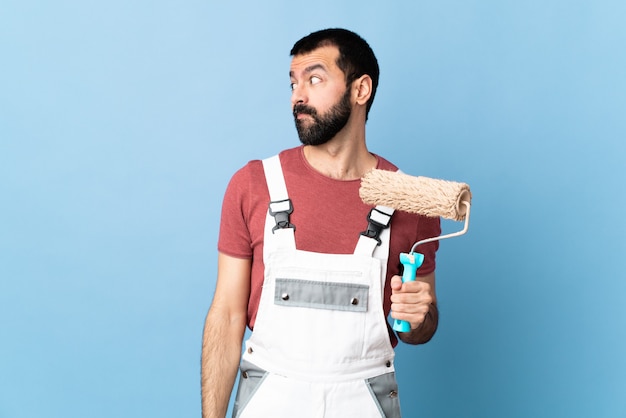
[(416, 303), (410, 301)]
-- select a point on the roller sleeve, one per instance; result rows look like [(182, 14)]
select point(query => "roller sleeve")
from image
[(420, 195)]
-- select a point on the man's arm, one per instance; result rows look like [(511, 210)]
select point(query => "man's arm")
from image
[(223, 334), (416, 303)]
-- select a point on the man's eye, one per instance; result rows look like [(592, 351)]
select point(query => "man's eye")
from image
[(315, 80), (292, 86)]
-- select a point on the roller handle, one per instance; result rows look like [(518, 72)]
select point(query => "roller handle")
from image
[(411, 262)]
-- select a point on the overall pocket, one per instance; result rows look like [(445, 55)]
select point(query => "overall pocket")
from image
[(250, 380), (384, 390)]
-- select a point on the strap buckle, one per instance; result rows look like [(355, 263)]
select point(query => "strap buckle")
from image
[(377, 221), (280, 210)]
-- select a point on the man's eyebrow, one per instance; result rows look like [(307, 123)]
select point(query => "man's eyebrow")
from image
[(310, 68)]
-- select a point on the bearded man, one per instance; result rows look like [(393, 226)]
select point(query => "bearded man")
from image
[(311, 269)]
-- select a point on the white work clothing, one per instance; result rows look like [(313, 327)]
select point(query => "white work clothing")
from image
[(320, 345)]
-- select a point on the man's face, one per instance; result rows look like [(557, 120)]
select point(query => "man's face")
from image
[(321, 102)]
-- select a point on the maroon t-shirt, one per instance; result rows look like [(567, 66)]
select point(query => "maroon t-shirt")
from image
[(328, 214)]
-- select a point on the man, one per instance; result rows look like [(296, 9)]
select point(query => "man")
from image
[(294, 266)]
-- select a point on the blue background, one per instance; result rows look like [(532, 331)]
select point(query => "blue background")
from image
[(122, 121)]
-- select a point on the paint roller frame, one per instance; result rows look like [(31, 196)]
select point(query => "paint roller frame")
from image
[(463, 207)]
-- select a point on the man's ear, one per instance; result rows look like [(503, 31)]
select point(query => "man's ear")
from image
[(363, 89)]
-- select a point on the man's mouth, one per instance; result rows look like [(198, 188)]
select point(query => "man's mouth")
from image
[(301, 112)]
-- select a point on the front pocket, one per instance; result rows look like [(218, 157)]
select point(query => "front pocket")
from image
[(384, 390), (321, 295), (250, 380)]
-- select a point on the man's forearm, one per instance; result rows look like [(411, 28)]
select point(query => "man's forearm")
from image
[(425, 331), (221, 350)]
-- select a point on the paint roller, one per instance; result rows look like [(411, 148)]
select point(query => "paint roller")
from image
[(419, 195)]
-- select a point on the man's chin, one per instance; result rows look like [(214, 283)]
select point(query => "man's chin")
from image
[(313, 141), (304, 123)]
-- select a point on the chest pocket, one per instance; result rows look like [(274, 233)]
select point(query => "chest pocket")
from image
[(321, 295)]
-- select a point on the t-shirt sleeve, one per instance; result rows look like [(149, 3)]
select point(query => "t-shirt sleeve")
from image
[(234, 236)]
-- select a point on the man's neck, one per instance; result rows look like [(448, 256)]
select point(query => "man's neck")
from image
[(342, 158)]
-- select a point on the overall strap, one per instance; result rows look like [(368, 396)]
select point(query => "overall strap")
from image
[(275, 179), (374, 241), (279, 232)]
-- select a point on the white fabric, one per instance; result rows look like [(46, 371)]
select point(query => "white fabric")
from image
[(275, 179), (313, 400)]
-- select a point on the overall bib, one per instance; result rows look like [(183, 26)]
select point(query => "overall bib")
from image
[(320, 346)]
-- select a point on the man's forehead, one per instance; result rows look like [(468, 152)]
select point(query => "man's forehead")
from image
[(324, 57)]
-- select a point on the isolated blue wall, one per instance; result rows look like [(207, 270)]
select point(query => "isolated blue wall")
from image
[(121, 123)]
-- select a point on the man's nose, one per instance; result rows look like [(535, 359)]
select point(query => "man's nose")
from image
[(299, 95)]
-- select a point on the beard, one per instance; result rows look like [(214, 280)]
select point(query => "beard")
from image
[(324, 127)]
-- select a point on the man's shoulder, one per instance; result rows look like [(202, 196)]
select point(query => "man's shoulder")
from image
[(253, 171), (384, 164), (288, 154)]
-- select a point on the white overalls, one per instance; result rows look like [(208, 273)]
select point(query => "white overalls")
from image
[(320, 346)]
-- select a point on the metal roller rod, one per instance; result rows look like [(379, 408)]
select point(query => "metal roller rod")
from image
[(451, 235)]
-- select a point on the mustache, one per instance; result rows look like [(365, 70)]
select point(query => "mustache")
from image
[(303, 109)]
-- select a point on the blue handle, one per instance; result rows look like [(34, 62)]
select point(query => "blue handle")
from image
[(411, 263)]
